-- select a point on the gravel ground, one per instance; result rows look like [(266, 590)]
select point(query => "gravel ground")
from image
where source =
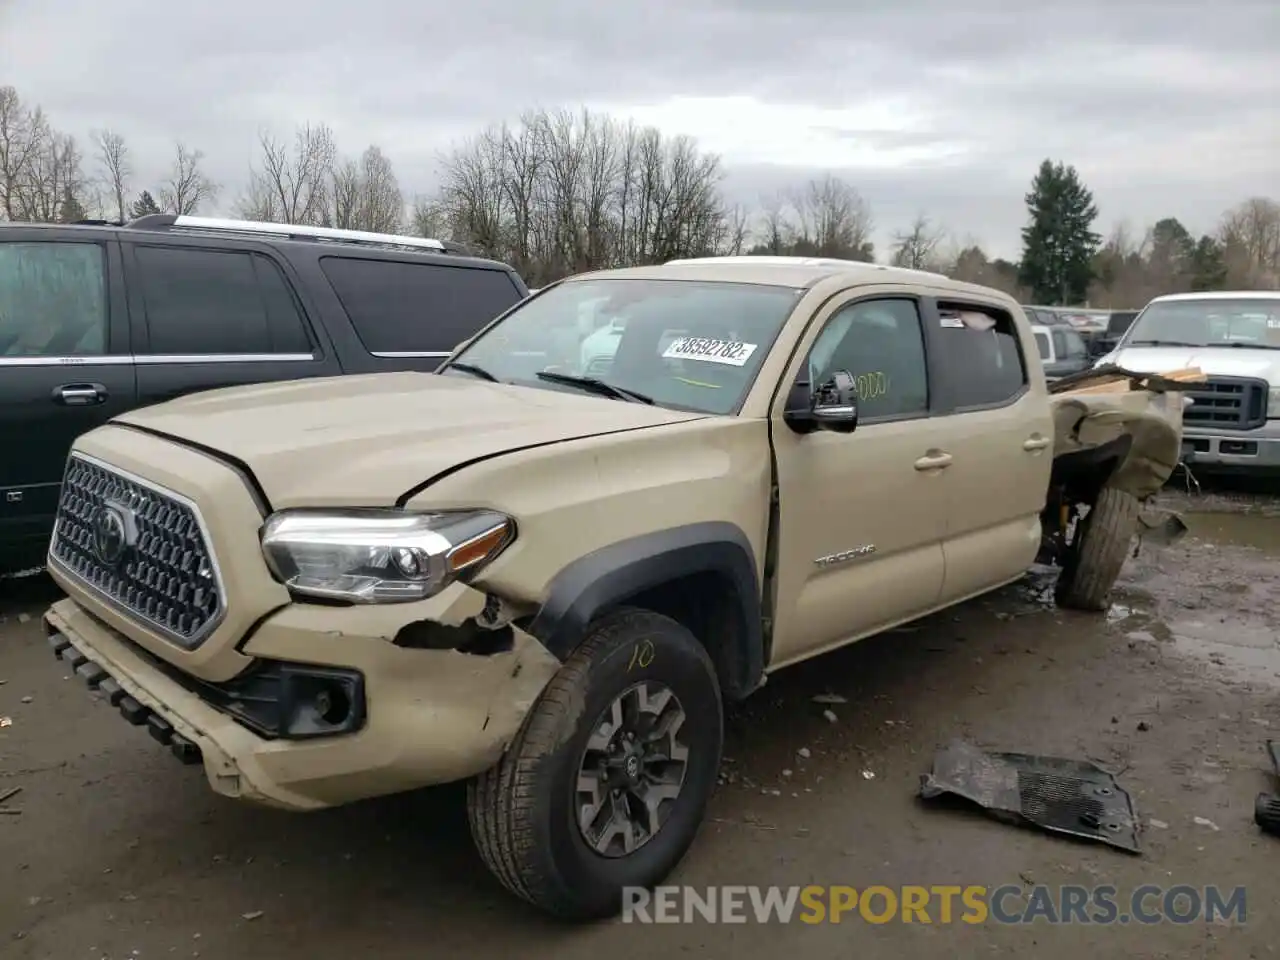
[(119, 852)]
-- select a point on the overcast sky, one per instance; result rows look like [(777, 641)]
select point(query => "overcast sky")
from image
[(1167, 107)]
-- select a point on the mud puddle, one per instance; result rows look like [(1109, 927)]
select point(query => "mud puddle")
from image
[(1212, 598)]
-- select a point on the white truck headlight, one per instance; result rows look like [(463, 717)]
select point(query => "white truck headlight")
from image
[(1273, 403), (380, 556)]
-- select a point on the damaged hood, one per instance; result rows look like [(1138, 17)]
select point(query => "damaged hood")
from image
[(368, 439), (1213, 361)]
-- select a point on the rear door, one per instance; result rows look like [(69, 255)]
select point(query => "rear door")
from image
[(217, 316), (64, 367), (408, 314), (1000, 437)]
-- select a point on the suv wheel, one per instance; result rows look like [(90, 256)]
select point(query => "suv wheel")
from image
[(608, 780)]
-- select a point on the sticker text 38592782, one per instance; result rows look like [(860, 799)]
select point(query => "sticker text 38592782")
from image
[(731, 352)]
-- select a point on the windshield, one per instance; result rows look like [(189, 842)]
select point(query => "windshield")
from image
[(1208, 323), (1042, 344), (685, 344)]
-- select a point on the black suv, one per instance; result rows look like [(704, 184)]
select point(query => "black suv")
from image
[(1118, 324), (98, 318)]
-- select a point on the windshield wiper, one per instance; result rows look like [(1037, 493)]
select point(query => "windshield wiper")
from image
[(1162, 343), (595, 385), (475, 371), (1249, 345)]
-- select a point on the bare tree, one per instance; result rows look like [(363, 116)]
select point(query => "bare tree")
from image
[(187, 186), (292, 185), (565, 191), (54, 179), (428, 219), (833, 220), (1250, 234), (24, 136), (917, 247), (114, 166), (775, 227), (381, 202)]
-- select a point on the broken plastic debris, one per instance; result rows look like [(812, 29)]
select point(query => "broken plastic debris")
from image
[(1204, 822), (252, 914), (831, 717), (1158, 824), (6, 721), (868, 774), (829, 698), (804, 753)]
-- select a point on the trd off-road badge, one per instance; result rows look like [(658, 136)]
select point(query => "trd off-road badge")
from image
[(114, 532)]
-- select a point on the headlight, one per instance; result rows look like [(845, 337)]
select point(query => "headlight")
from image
[(380, 556), (1273, 403)]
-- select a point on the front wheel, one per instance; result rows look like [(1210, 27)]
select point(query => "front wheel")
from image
[(1095, 558), (608, 780)]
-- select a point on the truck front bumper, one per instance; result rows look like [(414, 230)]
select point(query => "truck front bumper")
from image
[(419, 716), (1238, 450)]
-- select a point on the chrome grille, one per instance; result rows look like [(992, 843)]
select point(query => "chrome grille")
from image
[(141, 548), (1227, 403)]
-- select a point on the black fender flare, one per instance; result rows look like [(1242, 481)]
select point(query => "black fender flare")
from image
[(608, 576)]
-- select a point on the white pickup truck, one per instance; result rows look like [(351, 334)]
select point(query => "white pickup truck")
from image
[(1233, 422)]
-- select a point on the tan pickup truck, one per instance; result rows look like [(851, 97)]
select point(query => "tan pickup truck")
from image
[(544, 569)]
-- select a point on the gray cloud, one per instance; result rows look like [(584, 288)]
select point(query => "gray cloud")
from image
[(1165, 106)]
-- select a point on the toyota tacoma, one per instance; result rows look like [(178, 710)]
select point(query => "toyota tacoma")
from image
[(548, 581)]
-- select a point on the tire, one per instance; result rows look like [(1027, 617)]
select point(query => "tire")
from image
[(1102, 545), (524, 812)]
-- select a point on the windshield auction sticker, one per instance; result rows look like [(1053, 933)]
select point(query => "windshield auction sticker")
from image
[(731, 352)]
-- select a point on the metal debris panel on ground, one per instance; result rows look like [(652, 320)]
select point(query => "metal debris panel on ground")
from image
[(1073, 797)]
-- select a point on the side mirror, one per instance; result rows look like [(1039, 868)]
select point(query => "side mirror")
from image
[(832, 406)]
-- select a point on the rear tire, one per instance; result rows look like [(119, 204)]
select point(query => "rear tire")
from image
[(1094, 561), (527, 813)]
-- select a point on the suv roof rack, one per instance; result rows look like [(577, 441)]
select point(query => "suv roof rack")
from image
[(289, 231)]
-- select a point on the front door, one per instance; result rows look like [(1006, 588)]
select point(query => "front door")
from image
[(64, 369), (861, 515)]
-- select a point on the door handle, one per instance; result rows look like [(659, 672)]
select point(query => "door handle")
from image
[(933, 460), (1036, 443), (79, 394)]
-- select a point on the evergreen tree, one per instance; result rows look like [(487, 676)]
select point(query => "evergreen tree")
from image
[(1208, 265), (144, 205), (71, 210), (1059, 244)]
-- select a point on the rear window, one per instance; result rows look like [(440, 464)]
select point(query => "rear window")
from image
[(1042, 344), (416, 308), (53, 299)]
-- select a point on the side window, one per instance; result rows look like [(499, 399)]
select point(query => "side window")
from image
[(1060, 348), (53, 299), (981, 350), (1075, 344), (881, 343), (217, 302), (399, 307), (1042, 345)]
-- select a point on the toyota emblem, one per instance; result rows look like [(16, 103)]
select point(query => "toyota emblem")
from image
[(110, 534)]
